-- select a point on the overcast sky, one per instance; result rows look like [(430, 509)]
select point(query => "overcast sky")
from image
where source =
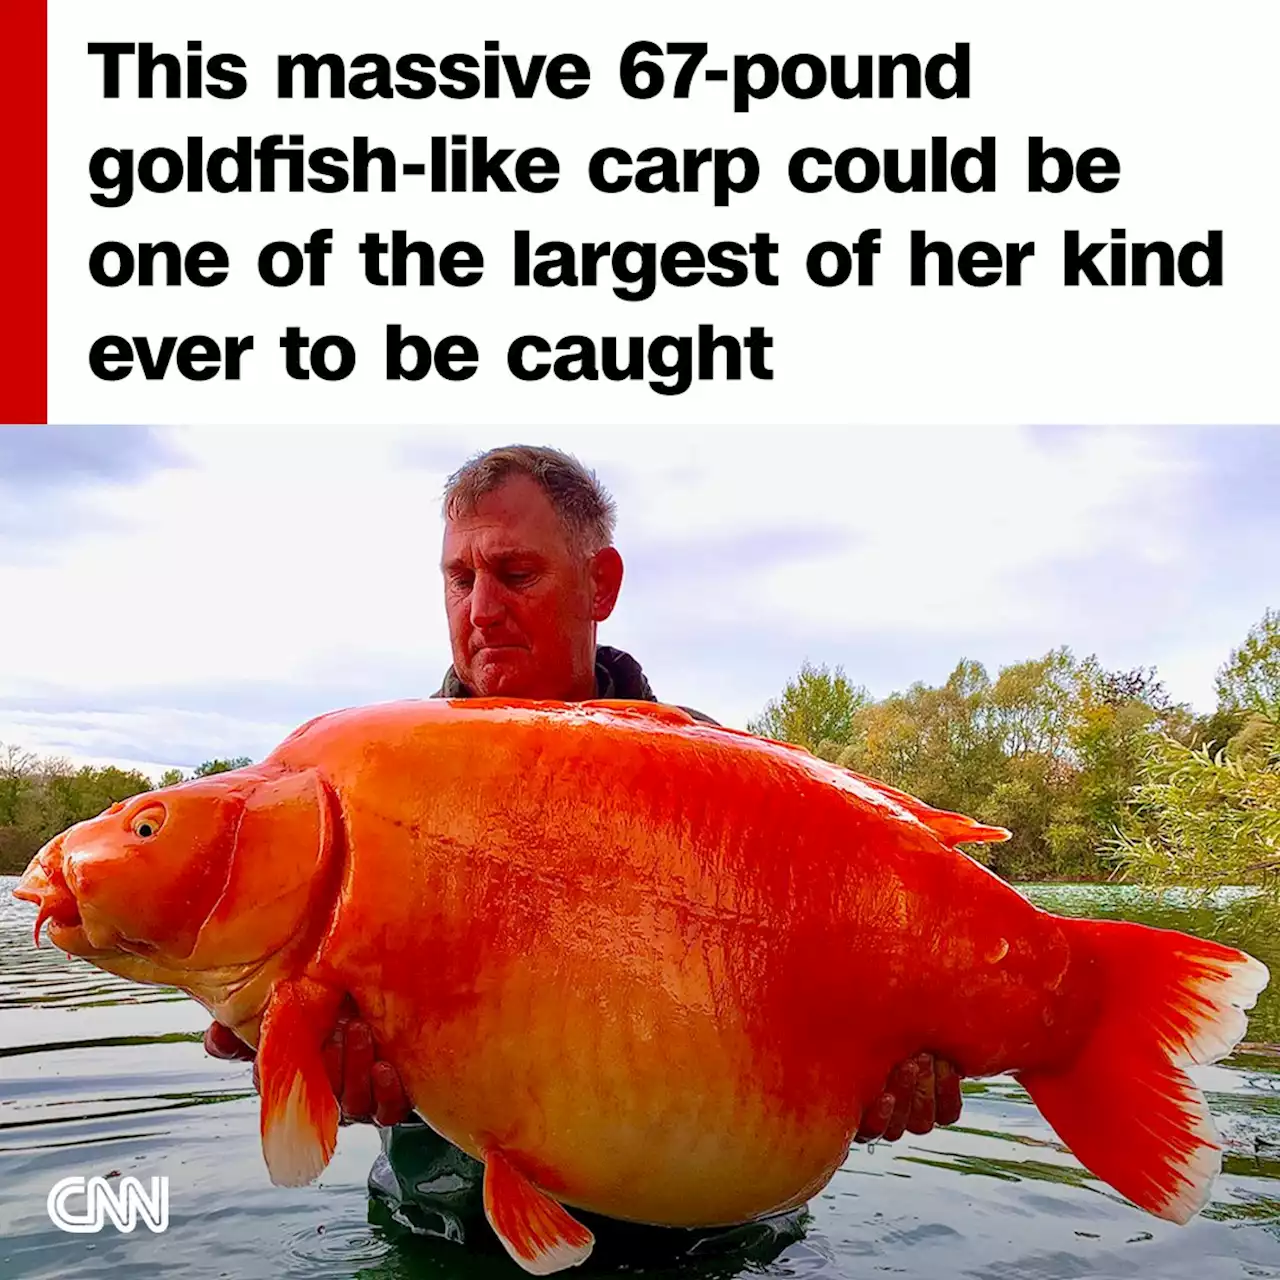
[(168, 595)]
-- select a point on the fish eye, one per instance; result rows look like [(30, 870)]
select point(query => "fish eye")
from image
[(148, 821)]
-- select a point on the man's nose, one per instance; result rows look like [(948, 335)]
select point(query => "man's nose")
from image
[(486, 602)]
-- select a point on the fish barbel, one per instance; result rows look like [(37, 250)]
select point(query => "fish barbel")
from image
[(636, 964)]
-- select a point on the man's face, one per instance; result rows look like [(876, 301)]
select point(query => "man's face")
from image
[(522, 600)]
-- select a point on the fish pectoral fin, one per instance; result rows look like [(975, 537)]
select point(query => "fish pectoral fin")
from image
[(299, 1117), (540, 1234)]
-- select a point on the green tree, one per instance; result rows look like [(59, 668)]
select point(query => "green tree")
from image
[(1209, 819), (815, 709), (934, 742), (1050, 749), (17, 779), (39, 798), (885, 742), (171, 777), (998, 751), (1024, 800), (19, 782), (1117, 717), (1031, 711), (1212, 731), (1250, 679), (221, 766), (71, 795), (1031, 704)]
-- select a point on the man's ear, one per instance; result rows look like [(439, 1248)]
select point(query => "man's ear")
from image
[(606, 582)]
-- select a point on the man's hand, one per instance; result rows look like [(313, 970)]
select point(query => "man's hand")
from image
[(366, 1087), (920, 1093), (222, 1042)]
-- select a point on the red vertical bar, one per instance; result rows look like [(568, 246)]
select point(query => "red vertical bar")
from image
[(24, 126)]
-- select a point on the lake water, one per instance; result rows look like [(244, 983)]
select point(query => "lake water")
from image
[(98, 1076)]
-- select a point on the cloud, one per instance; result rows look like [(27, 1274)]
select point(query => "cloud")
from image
[(1137, 545), (1232, 476), (657, 564), (440, 452), (203, 591), (183, 724), (55, 457), (51, 479)]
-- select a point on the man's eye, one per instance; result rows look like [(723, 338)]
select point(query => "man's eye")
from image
[(519, 577), (463, 581)]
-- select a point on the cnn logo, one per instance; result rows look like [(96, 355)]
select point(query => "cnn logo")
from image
[(124, 1204)]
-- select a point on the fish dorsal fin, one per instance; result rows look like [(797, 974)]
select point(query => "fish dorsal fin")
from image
[(540, 1234), (659, 712), (950, 828), (794, 747)]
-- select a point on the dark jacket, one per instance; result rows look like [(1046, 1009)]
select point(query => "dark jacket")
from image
[(618, 675)]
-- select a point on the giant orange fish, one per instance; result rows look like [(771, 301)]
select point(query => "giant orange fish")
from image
[(635, 964)]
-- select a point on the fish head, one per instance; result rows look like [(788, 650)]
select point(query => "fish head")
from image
[(212, 876)]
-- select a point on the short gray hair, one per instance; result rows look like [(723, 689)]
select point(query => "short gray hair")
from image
[(583, 504)]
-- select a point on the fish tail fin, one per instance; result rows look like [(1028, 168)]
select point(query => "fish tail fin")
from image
[(1123, 1104)]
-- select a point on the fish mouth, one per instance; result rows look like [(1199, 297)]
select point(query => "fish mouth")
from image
[(46, 887), (44, 884)]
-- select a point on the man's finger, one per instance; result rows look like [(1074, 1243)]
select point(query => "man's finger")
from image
[(922, 1111), (897, 1125), (390, 1104), (357, 1072), (875, 1119), (332, 1054), (222, 1042), (902, 1084), (947, 1091)]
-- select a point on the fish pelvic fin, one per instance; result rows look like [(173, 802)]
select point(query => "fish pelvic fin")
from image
[(1124, 1105), (540, 1234), (299, 1116)]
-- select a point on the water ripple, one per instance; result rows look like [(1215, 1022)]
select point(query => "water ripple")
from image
[(339, 1250)]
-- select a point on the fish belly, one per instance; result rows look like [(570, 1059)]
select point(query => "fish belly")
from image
[(621, 1102)]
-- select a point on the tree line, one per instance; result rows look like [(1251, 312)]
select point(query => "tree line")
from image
[(40, 797), (1094, 771)]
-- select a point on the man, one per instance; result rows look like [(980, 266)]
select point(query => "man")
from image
[(530, 571)]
